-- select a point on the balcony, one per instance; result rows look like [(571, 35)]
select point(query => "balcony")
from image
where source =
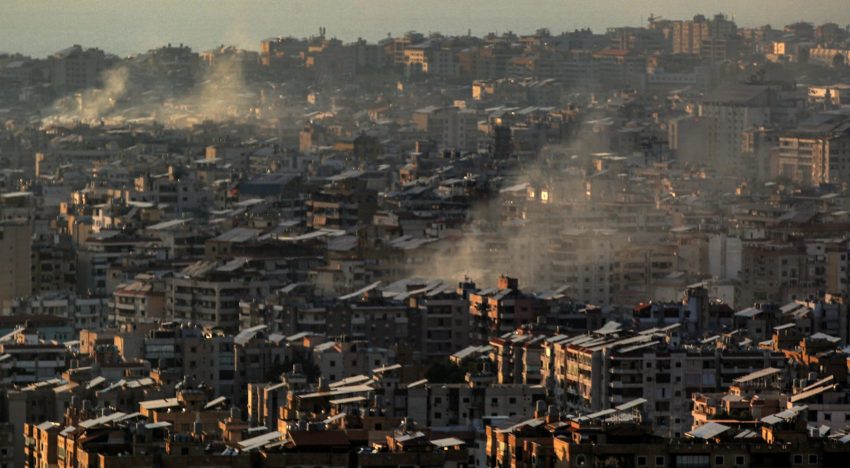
[(619, 384)]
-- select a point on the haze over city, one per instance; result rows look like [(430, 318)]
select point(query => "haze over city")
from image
[(397, 233), (40, 27)]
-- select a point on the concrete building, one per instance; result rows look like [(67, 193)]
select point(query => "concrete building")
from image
[(208, 292), (641, 366), (816, 152), (729, 112), (16, 245), (75, 69), (449, 127), (689, 36), (33, 360), (16, 232), (80, 312), (500, 310), (137, 302), (343, 359)]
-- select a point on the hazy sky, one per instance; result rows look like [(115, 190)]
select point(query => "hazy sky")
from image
[(40, 27)]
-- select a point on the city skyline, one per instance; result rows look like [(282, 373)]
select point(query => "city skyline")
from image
[(38, 28), (515, 243)]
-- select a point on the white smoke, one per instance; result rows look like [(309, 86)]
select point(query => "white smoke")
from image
[(220, 94)]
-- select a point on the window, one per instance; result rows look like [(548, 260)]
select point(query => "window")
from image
[(691, 461), (813, 459), (718, 460), (659, 461), (641, 461), (798, 459), (739, 460)]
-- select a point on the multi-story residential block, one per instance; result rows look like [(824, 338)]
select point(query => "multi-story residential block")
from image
[(32, 359), (817, 152), (449, 127), (81, 313), (597, 372), (96, 254), (16, 226), (729, 112), (338, 360), (500, 310), (75, 68), (137, 302), (208, 292)]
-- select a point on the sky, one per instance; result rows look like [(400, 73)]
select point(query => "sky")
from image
[(41, 27)]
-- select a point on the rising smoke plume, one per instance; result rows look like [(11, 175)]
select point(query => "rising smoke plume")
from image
[(126, 96)]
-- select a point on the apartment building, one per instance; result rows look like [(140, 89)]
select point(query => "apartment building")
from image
[(137, 302), (32, 360), (499, 310), (816, 152), (449, 127), (76, 68), (16, 230), (208, 292), (338, 360), (443, 321), (729, 112), (97, 254), (80, 312), (600, 371)]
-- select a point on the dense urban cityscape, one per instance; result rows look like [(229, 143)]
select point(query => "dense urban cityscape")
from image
[(620, 248)]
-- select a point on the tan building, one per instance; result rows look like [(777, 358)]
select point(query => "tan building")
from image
[(139, 301), (40, 444), (449, 127), (813, 155), (15, 245), (689, 36)]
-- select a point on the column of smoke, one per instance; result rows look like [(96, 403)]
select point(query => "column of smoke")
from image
[(220, 94), (520, 248), (223, 93), (91, 105)]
